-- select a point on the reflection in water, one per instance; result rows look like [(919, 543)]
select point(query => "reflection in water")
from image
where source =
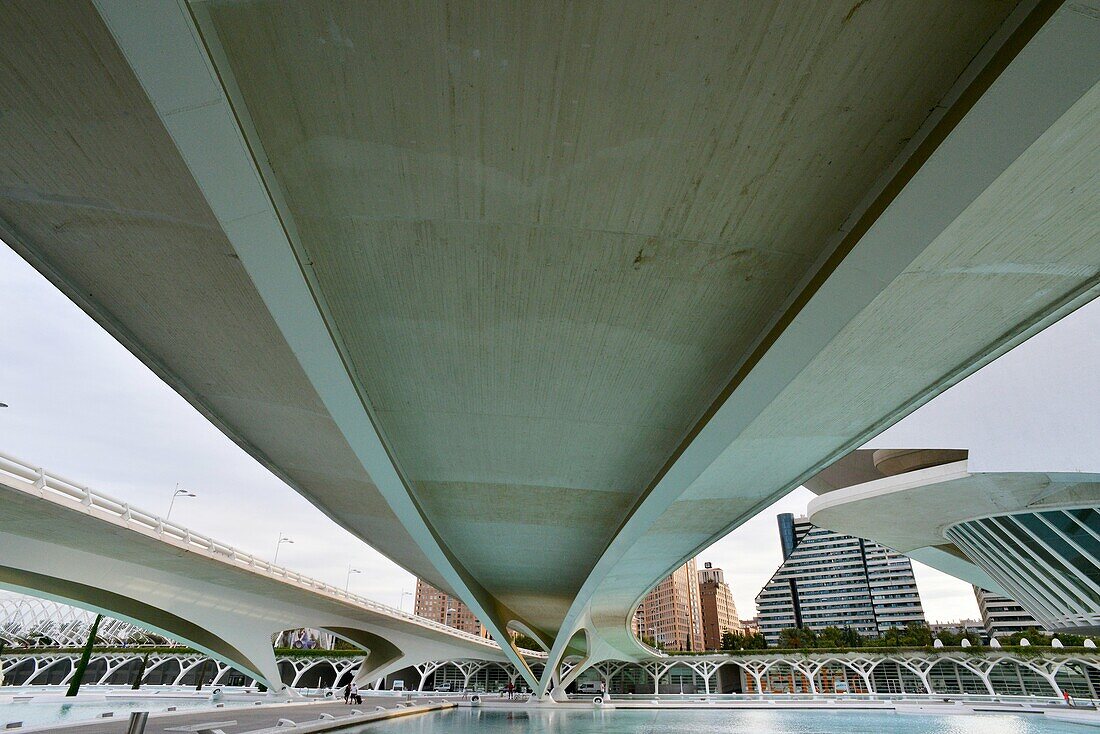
[(652, 721)]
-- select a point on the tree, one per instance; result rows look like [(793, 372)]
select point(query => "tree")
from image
[(913, 635), (1041, 639), (955, 639), (82, 666), (740, 640), (140, 671), (839, 637), (202, 673), (797, 638), (527, 643)]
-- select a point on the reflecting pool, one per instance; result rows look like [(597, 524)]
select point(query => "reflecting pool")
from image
[(622, 721)]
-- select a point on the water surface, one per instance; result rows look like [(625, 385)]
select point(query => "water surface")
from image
[(482, 721)]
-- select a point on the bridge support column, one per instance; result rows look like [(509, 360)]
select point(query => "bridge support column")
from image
[(383, 657), (262, 655), (558, 693)]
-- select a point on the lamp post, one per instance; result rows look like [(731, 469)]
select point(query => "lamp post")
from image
[(347, 581), (447, 615), (178, 493), (282, 539), (401, 600)]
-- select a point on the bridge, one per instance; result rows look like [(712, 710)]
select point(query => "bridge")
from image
[(599, 287), (66, 542)]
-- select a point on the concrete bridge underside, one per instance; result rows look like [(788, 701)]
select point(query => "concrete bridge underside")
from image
[(594, 281)]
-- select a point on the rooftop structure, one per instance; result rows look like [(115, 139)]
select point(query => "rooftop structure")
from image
[(833, 580), (27, 621), (541, 313), (751, 626), (719, 613)]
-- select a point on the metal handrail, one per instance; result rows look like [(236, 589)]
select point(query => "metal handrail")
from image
[(56, 488)]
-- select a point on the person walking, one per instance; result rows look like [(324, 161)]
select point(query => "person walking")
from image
[(355, 697), (511, 690), (347, 693)]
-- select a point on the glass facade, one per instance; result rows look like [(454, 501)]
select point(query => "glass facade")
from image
[(1046, 560)]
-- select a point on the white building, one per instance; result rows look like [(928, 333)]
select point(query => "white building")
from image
[(1002, 616), (1031, 536), (1014, 506), (833, 580)]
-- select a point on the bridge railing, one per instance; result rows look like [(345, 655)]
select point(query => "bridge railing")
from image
[(56, 488)]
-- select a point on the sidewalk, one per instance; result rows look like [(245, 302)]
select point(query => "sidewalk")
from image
[(248, 718)]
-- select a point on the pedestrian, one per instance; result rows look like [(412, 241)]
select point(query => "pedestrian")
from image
[(355, 694), (1068, 700), (347, 693), (511, 690)]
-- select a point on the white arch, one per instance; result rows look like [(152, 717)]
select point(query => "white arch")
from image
[(53, 661), (902, 662)]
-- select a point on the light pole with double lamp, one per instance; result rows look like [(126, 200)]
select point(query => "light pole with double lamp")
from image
[(347, 581), (282, 539), (178, 493)]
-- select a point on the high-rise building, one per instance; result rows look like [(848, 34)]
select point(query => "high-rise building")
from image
[(1002, 616), (719, 614), (446, 609), (833, 580), (670, 614)]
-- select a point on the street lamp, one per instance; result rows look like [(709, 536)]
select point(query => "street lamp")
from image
[(282, 539), (178, 493), (447, 615), (401, 601), (347, 581)]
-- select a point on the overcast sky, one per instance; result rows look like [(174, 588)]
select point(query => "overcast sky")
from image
[(83, 407)]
